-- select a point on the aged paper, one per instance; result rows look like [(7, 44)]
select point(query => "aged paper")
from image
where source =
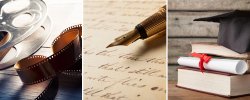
[(134, 72)]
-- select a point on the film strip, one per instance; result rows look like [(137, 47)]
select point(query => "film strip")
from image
[(66, 60)]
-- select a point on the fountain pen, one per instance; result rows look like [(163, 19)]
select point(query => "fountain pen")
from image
[(153, 25)]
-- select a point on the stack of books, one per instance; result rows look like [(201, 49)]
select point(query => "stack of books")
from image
[(211, 81)]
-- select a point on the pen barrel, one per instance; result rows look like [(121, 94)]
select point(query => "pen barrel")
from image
[(155, 23)]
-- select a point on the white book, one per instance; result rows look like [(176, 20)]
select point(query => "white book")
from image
[(212, 82)]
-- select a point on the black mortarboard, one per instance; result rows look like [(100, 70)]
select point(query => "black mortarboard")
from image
[(234, 30)]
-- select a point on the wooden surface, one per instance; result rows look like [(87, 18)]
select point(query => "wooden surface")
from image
[(181, 24), (172, 72), (11, 88), (176, 93), (207, 5)]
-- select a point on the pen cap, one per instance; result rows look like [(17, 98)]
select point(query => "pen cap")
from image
[(155, 23)]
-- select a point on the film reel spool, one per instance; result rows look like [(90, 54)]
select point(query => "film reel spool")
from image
[(26, 38), (37, 11), (29, 45)]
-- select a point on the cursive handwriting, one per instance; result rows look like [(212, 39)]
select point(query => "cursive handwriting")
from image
[(132, 70), (103, 93), (127, 56)]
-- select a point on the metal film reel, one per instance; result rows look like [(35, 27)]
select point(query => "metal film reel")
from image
[(24, 28)]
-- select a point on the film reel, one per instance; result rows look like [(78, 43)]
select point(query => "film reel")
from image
[(24, 27), (36, 11), (28, 46)]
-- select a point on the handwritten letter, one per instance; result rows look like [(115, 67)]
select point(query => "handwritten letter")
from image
[(134, 72)]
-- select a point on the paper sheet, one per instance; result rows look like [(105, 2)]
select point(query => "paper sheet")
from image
[(134, 72)]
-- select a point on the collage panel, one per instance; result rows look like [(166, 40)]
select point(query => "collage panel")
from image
[(208, 45), (40, 49), (124, 50)]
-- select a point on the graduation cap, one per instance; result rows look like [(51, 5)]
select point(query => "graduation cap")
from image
[(234, 30)]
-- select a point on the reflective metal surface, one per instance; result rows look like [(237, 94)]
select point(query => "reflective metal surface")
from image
[(36, 10), (30, 45)]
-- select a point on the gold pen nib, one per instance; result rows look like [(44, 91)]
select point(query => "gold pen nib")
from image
[(112, 44), (125, 39)]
